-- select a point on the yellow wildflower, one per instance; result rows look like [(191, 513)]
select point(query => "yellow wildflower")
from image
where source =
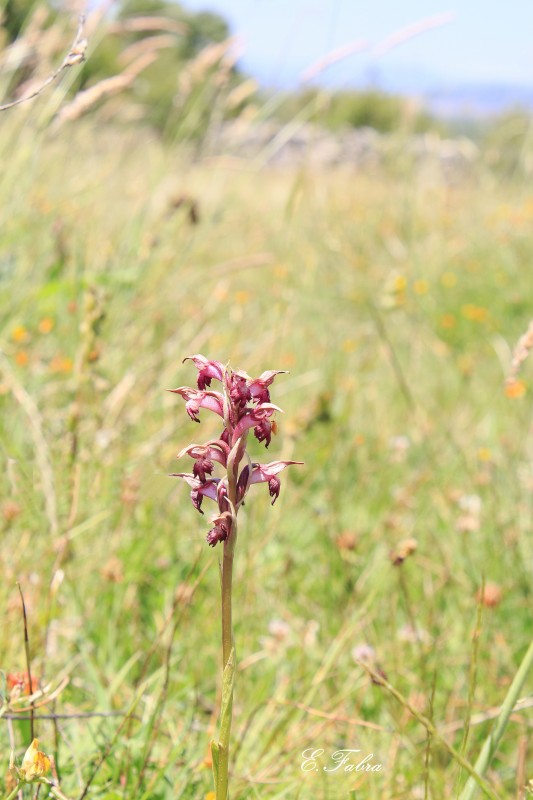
[(349, 345), (421, 287), (242, 297), (448, 280), (400, 283), (19, 334), (475, 313), (46, 325), (34, 764)]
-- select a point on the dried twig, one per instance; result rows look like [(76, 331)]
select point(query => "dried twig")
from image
[(78, 715), (104, 88), (40, 695), (316, 712), (76, 55), (28, 660), (486, 716)]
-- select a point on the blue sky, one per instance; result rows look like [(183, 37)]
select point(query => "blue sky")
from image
[(485, 42)]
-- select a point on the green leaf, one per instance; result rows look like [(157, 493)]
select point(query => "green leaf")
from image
[(214, 757), (228, 682)]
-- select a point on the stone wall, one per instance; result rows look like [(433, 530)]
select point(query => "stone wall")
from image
[(298, 144)]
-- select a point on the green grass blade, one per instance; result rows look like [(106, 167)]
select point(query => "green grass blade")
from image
[(491, 743)]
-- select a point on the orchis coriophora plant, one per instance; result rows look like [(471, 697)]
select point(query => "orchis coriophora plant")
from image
[(243, 405)]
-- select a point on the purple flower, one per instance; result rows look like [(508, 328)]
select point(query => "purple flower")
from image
[(199, 489), (196, 399), (243, 404), (206, 370), (221, 530), (268, 473), (214, 450), (258, 418), (239, 389), (258, 387)]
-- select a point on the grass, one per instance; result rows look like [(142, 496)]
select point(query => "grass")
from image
[(394, 299)]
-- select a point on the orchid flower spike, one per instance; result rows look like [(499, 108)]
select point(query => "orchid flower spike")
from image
[(244, 404)]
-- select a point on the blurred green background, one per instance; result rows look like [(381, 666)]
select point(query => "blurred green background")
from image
[(394, 290)]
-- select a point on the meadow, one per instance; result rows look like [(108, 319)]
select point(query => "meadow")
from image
[(393, 576)]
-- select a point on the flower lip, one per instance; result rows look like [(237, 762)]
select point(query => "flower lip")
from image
[(199, 488), (274, 486), (253, 417), (259, 386), (215, 450), (263, 472), (268, 473), (206, 369), (222, 528), (200, 398), (239, 390)]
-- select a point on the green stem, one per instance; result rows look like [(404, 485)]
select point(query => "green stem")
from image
[(227, 581), (491, 743), (14, 793), (227, 648)]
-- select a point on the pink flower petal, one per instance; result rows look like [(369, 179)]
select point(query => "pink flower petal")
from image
[(197, 399), (252, 417), (206, 369), (263, 472)]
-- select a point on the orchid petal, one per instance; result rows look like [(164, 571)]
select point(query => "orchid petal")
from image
[(197, 399), (199, 489), (268, 376), (223, 523), (259, 386), (268, 473), (263, 472), (206, 369), (210, 451), (254, 416)]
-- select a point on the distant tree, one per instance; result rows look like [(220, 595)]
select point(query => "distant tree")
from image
[(174, 92), (14, 15), (199, 29), (508, 142), (204, 28), (355, 109), (159, 88)]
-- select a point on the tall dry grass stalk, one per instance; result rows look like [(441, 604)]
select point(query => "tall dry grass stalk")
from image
[(221, 56), (75, 56), (520, 353), (389, 43), (105, 88)]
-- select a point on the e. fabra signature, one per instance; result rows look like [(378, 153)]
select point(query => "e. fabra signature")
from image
[(341, 760)]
